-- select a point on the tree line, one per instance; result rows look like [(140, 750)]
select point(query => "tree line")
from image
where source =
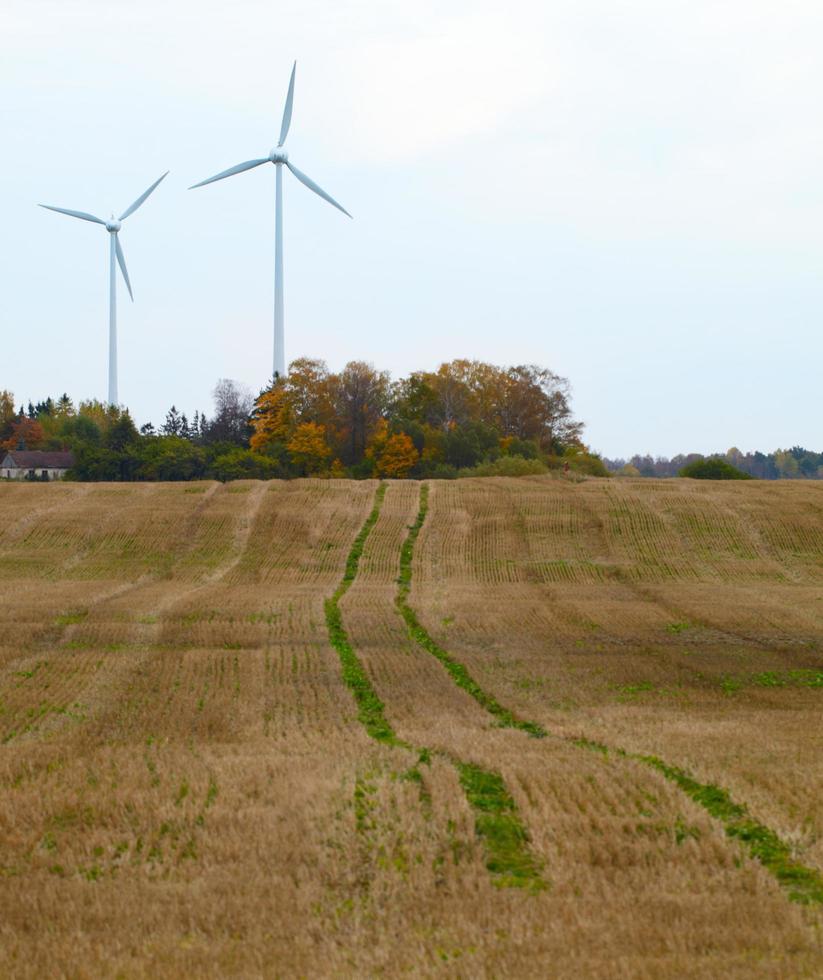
[(796, 463), (467, 417)]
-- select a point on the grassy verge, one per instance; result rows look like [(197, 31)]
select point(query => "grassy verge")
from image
[(459, 674)]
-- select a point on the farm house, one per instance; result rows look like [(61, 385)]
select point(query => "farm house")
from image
[(35, 465)]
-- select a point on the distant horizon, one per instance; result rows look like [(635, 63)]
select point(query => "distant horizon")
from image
[(611, 457)]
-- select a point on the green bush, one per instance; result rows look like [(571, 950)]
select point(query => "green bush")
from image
[(713, 469), (242, 464), (507, 466), (428, 469), (469, 444), (364, 470), (522, 447), (588, 463), (167, 458)]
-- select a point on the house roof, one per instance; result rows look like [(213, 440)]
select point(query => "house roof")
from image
[(34, 459)]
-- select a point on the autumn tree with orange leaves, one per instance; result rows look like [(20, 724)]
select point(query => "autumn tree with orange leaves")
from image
[(398, 457), (24, 432)]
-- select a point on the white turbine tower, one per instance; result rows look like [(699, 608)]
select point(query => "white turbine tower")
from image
[(112, 226), (278, 157)]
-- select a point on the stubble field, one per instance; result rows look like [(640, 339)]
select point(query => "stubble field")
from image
[(525, 728)]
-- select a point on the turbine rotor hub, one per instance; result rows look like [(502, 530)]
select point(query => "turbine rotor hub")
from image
[(113, 225), (279, 155)]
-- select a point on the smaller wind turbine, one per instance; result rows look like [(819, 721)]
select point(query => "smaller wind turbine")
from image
[(112, 226)]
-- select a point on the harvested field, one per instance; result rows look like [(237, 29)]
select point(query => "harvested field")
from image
[(492, 727)]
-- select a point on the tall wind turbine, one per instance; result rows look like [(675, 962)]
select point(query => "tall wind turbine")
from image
[(112, 226), (278, 157)]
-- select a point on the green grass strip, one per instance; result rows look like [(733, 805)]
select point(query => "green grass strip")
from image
[(418, 633), (370, 709), (497, 823), (496, 820), (804, 885)]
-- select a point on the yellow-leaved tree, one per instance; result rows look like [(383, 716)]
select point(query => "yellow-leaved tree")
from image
[(272, 418), (308, 448)]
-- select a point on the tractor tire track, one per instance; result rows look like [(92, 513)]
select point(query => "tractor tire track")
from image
[(497, 822), (150, 630), (803, 884), (100, 688), (16, 530)]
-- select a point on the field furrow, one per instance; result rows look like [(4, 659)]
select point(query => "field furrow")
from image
[(293, 729), (497, 822), (631, 664), (549, 780)]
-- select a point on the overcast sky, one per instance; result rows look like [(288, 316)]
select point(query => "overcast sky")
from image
[(629, 193)]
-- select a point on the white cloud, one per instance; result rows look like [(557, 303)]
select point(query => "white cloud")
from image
[(451, 78)]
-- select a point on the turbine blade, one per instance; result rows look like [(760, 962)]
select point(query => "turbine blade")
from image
[(284, 127), (314, 187), (139, 201), (121, 261), (75, 214), (231, 172)]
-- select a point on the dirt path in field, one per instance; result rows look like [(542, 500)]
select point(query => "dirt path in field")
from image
[(183, 539), (147, 632), (89, 690), (242, 534), (13, 532)]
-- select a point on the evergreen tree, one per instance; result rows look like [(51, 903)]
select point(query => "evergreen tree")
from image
[(65, 406), (171, 425)]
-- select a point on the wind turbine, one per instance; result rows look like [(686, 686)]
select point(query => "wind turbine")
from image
[(112, 226), (278, 157)]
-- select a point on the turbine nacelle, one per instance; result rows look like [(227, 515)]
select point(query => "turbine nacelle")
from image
[(113, 225), (279, 155)]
